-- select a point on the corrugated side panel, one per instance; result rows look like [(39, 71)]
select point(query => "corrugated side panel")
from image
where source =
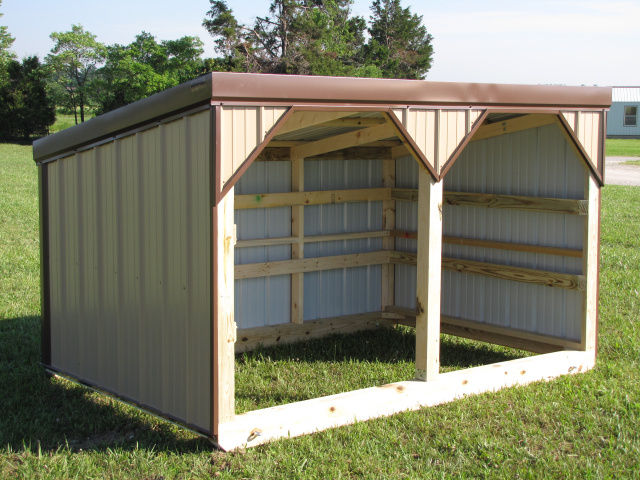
[(263, 301), (130, 231), (351, 290), (536, 162)]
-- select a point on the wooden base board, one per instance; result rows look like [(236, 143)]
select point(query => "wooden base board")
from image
[(250, 338), (301, 418)]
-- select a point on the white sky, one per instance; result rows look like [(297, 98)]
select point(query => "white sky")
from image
[(569, 42)]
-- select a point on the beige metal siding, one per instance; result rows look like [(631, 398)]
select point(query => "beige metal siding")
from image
[(130, 227), (438, 132), (242, 130), (586, 126)]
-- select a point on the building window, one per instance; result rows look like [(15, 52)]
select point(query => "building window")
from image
[(631, 116)]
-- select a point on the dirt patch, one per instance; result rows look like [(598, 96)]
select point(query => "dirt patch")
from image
[(617, 173)]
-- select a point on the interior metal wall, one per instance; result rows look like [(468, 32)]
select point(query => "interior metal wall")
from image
[(130, 242), (345, 291), (537, 162), (267, 300)]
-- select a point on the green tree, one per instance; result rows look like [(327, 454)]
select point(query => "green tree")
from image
[(144, 67), (6, 55), (399, 44), (321, 37), (25, 107), (74, 60), (317, 37)]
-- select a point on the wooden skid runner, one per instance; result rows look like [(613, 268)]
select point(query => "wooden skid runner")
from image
[(300, 418)]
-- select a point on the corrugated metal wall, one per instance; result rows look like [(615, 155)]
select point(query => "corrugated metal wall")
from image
[(267, 301), (537, 162), (130, 233), (346, 291)]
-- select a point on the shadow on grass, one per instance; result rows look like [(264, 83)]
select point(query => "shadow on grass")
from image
[(49, 413), (389, 345), (339, 363)]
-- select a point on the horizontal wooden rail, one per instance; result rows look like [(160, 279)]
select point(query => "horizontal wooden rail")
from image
[(262, 242), (319, 197), (504, 272), (516, 247), (289, 199), (485, 332), (468, 242), (518, 202), (284, 267)]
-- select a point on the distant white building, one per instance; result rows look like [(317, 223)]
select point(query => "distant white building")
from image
[(622, 120)]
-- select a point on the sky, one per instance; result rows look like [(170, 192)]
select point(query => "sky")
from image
[(560, 42)]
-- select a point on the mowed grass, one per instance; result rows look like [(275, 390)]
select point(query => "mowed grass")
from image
[(583, 426), (622, 147)]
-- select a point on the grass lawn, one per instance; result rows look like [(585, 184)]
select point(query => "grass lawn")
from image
[(622, 147), (583, 426)]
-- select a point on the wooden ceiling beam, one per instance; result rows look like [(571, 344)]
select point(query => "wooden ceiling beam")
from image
[(338, 142), (513, 125), (306, 119)]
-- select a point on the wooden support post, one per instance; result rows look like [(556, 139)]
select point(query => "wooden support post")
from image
[(388, 223), (429, 277), (224, 326), (297, 247), (590, 264)]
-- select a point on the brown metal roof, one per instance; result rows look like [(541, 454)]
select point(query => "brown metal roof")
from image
[(307, 90)]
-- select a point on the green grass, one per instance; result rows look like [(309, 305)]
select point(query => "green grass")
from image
[(632, 162), (583, 426), (65, 121), (622, 147)]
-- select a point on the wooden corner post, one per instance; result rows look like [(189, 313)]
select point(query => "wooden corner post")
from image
[(429, 271), (224, 325), (590, 263)]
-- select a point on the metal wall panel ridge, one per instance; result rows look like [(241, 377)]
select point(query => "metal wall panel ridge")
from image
[(130, 248), (350, 290), (263, 301)]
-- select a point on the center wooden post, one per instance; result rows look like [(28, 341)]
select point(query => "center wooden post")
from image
[(429, 271), (297, 232)]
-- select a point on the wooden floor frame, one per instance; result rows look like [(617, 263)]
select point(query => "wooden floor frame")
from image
[(309, 416)]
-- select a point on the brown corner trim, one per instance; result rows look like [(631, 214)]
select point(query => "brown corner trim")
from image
[(45, 266), (214, 174)]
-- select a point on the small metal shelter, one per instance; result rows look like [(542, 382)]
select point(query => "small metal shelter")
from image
[(241, 209)]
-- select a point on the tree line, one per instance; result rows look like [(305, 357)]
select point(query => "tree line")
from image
[(309, 37)]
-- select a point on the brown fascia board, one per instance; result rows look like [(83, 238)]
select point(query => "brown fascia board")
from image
[(218, 88), (293, 89)]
